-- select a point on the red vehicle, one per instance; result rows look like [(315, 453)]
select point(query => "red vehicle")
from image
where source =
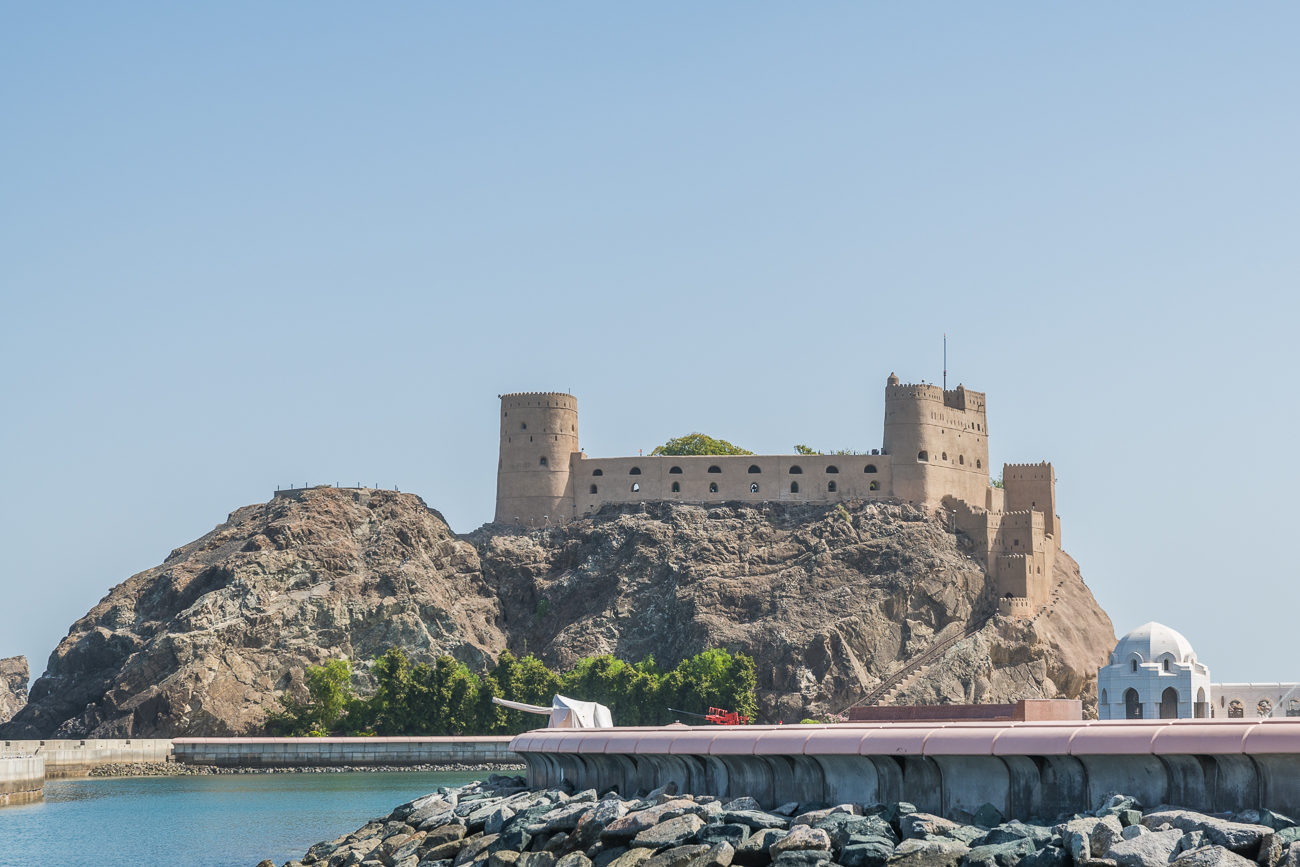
[(721, 716)]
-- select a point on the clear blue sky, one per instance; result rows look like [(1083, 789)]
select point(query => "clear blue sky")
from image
[(249, 245)]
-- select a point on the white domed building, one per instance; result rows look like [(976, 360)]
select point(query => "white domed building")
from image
[(1153, 674)]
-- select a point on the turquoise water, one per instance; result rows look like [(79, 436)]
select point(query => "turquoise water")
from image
[(218, 821)]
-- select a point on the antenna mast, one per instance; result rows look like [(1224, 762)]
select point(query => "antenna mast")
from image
[(945, 361)]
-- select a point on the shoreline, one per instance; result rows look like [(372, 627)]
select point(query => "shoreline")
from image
[(173, 769)]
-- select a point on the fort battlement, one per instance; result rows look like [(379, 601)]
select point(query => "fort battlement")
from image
[(933, 453)]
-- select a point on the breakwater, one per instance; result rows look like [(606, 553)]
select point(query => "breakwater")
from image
[(76, 758), (503, 823), (22, 779), (343, 752), (1023, 769)]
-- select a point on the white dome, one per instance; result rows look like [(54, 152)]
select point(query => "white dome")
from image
[(1151, 641)]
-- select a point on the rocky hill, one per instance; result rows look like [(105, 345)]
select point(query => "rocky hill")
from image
[(13, 686), (828, 600)]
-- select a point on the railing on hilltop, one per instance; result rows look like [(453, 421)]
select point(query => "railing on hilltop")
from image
[(931, 654)]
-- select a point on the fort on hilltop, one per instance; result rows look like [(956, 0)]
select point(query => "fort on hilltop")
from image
[(934, 454)]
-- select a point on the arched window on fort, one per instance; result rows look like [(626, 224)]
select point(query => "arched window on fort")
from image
[(1169, 704), (794, 487), (945, 456), (830, 486), (923, 456), (715, 469), (796, 470), (598, 472), (593, 489), (635, 471), (874, 486), (832, 469), (677, 487), (675, 471), (961, 459), (753, 488), (753, 468), (524, 426), (636, 486), (978, 465), (870, 468), (713, 487), (543, 460)]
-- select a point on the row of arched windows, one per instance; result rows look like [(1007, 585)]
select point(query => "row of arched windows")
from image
[(753, 468), (961, 459), (753, 488)]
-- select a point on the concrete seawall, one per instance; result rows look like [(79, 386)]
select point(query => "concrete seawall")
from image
[(1026, 770), (336, 752), (22, 779), (76, 758)]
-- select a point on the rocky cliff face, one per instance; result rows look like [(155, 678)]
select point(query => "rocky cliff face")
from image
[(13, 686), (827, 600)]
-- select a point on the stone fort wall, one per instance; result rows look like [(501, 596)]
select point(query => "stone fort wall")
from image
[(934, 453)]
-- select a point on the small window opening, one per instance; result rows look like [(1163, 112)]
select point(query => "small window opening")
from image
[(598, 472), (1166, 665), (923, 456), (753, 468), (875, 486), (870, 468), (593, 489), (715, 469), (794, 487), (1133, 665), (832, 469), (961, 459), (677, 487), (636, 486), (524, 426), (945, 456), (543, 461), (796, 470), (675, 471), (830, 486), (635, 471), (713, 487), (978, 465), (753, 488)]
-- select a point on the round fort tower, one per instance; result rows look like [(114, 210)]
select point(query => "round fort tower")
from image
[(939, 441), (539, 434)]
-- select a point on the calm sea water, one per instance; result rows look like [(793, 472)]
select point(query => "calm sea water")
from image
[(220, 821)]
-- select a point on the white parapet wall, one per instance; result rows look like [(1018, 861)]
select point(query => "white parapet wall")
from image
[(339, 752), (22, 779), (76, 758)]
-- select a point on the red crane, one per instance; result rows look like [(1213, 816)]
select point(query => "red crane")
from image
[(721, 716)]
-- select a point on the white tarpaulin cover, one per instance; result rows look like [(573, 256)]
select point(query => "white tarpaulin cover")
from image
[(567, 713)]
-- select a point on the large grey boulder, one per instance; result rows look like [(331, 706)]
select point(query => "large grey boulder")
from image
[(1104, 834), (1212, 856), (633, 858), (678, 856), (802, 837), (1009, 833), (1146, 850), (731, 834), (755, 819), (1007, 854), (842, 826), (1240, 838), (756, 851), (593, 822), (928, 853), (1048, 856), (802, 858), (866, 851), (674, 832), (916, 826)]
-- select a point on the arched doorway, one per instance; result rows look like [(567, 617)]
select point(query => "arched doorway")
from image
[(1169, 703), (1132, 707)]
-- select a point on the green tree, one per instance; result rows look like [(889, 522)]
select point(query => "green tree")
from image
[(804, 450), (698, 444), (329, 691)]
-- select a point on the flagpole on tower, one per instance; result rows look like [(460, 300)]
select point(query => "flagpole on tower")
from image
[(945, 361)]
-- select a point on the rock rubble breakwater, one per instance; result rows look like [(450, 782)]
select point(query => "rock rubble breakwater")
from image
[(503, 823)]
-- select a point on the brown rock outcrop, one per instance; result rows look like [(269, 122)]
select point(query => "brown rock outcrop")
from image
[(828, 600), (13, 686)]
